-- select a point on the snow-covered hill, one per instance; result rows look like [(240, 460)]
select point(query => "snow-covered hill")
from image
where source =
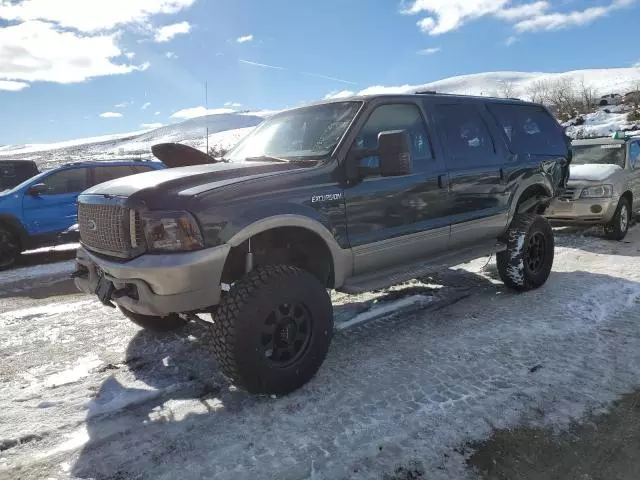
[(609, 80), (226, 129)]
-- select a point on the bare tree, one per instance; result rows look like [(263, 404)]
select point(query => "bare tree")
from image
[(506, 89), (588, 96), (539, 92)]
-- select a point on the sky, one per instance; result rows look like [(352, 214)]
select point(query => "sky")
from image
[(81, 68)]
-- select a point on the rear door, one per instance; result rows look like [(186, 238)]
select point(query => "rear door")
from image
[(397, 219), (475, 162), (55, 210)]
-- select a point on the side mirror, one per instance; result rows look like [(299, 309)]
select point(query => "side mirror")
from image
[(394, 150), (37, 189)]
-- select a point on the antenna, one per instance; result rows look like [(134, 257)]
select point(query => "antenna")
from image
[(206, 119)]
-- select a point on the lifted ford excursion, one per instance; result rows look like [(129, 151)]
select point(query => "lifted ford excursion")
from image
[(354, 194)]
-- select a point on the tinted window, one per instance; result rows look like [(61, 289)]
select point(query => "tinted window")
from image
[(13, 173), (104, 174), (394, 117), (530, 129), (466, 136), (67, 181), (141, 169), (634, 154)]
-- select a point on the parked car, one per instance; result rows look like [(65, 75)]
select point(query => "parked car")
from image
[(603, 187), (610, 99), (14, 172), (355, 195), (40, 211)]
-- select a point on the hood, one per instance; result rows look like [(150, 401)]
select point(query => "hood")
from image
[(185, 181), (593, 172)]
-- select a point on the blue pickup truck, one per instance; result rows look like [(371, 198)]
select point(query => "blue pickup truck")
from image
[(42, 210)]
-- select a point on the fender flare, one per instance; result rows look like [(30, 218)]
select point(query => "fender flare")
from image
[(342, 259), (534, 181)]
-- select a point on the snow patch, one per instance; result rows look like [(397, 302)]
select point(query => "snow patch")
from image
[(113, 396), (76, 440), (592, 172), (83, 367), (45, 312), (39, 271)]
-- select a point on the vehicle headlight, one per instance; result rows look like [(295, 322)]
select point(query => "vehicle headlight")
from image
[(171, 231), (600, 191)]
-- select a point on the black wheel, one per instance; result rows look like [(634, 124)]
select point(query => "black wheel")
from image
[(151, 322), (9, 248), (527, 261), (272, 331), (618, 227)]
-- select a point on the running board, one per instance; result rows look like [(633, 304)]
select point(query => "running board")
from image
[(393, 276)]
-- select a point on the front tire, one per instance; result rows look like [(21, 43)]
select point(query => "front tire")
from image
[(9, 248), (155, 323), (618, 227), (272, 331), (526, 263)]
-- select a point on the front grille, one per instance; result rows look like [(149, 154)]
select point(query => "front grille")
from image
[(106, 228), (569, 193)]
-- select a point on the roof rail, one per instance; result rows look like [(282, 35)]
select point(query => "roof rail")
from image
[(425, 92)]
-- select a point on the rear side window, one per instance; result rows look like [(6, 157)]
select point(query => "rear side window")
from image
[(141, 169), (465, 134), (104, 174), (634, 154), (529, 129)]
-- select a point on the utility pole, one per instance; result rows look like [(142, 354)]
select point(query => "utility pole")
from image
[(206, 119)]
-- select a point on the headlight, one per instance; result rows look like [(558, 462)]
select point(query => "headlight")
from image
[(171, 231), (601, 191)]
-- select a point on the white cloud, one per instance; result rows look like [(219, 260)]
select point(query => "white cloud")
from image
[(170, 55), (111, 115), (429, 51), (130, 55), (166, 33), (449, 15), (12, 86), (246, 38), (157, 113), (636, 65), (39, 51), (557, 21), (340, 94), (151, 126), (233, 104), (510, 40), (90, 16), (123, 104), (145, 105), (200, 111)]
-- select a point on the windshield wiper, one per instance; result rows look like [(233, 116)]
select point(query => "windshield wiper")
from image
[(266, 158)]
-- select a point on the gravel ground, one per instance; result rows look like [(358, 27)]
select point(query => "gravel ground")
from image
[(86, 394)]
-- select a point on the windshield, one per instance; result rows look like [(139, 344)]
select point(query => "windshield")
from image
[(605, 154), (308, 133)]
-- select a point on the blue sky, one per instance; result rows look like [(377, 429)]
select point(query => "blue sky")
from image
[(64, 63)]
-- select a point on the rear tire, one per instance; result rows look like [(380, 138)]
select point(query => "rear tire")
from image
[(9, 248), (272, 331), (155, 323), (528, 259), (618, 227)]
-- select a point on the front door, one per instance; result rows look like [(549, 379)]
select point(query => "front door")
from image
[(478, 207), (391, 220), (55, 210)]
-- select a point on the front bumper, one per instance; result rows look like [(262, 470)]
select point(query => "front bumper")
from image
[(158, 285), (582, 211)]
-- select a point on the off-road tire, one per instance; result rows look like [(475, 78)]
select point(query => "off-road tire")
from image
[(238, 323), (155, 323), (517, 266), (9, 248), (618, 227)]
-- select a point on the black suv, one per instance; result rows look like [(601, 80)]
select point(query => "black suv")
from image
[(353, 194)]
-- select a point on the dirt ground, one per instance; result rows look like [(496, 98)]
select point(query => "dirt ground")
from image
[(601, 447)]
